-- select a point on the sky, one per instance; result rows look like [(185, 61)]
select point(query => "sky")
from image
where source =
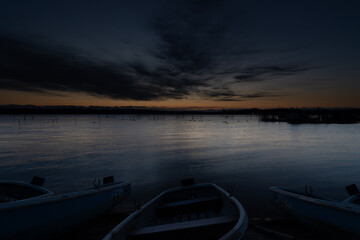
[(180, 53)]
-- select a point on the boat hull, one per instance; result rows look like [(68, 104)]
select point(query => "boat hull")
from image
[(42, 218), (330, 218), (148, 213)]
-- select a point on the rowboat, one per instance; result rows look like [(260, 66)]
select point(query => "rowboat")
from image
[(331, 218), (191, 211), (28, 211), (11, 191)]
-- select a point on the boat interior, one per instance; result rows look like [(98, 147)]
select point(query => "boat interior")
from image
[(13, 191), (354, 194), (355, 200), (190, 213)]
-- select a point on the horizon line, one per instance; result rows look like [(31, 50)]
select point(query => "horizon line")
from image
[(194, 108)]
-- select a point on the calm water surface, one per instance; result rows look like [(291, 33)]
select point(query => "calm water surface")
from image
[(155, 152)]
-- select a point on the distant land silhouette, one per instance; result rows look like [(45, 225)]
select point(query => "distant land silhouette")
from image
[(290, 115)]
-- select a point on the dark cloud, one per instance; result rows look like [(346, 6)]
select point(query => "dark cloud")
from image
[(26, 66), (261, 95), (261, 73), (235, 97), (194, 41), (224, 50), (192, 55), (190, 35), (217, 94)]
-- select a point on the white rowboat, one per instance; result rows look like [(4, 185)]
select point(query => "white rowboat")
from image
[(33, 212), (331, 218), (196, 211)]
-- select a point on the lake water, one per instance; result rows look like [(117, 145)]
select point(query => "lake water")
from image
[(156, 152)]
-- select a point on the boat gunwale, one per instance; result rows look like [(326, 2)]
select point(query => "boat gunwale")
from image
[(241, 218), (58, 198), (242, 215), (329, 203)]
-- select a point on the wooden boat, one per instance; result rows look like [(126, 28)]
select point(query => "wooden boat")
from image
[(192, 211), (330, 218), (28, 211)]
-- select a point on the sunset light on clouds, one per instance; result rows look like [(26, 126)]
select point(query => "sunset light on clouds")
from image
[(180, 54)]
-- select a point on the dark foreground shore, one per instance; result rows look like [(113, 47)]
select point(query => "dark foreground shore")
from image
[(258, 229)]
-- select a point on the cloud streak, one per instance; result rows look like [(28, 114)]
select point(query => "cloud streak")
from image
[(192, 59), (29, 67), (262, 73)]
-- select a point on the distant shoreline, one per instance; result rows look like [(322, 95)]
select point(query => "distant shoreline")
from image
[(32, 109), (289, 115)]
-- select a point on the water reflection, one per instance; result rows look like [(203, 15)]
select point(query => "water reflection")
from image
[(155, 153)]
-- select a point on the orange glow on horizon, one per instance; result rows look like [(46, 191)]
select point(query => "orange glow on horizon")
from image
[(334, 99)]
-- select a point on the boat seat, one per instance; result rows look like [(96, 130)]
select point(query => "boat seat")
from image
[(190, 204), (177, 230), (4, 198)]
